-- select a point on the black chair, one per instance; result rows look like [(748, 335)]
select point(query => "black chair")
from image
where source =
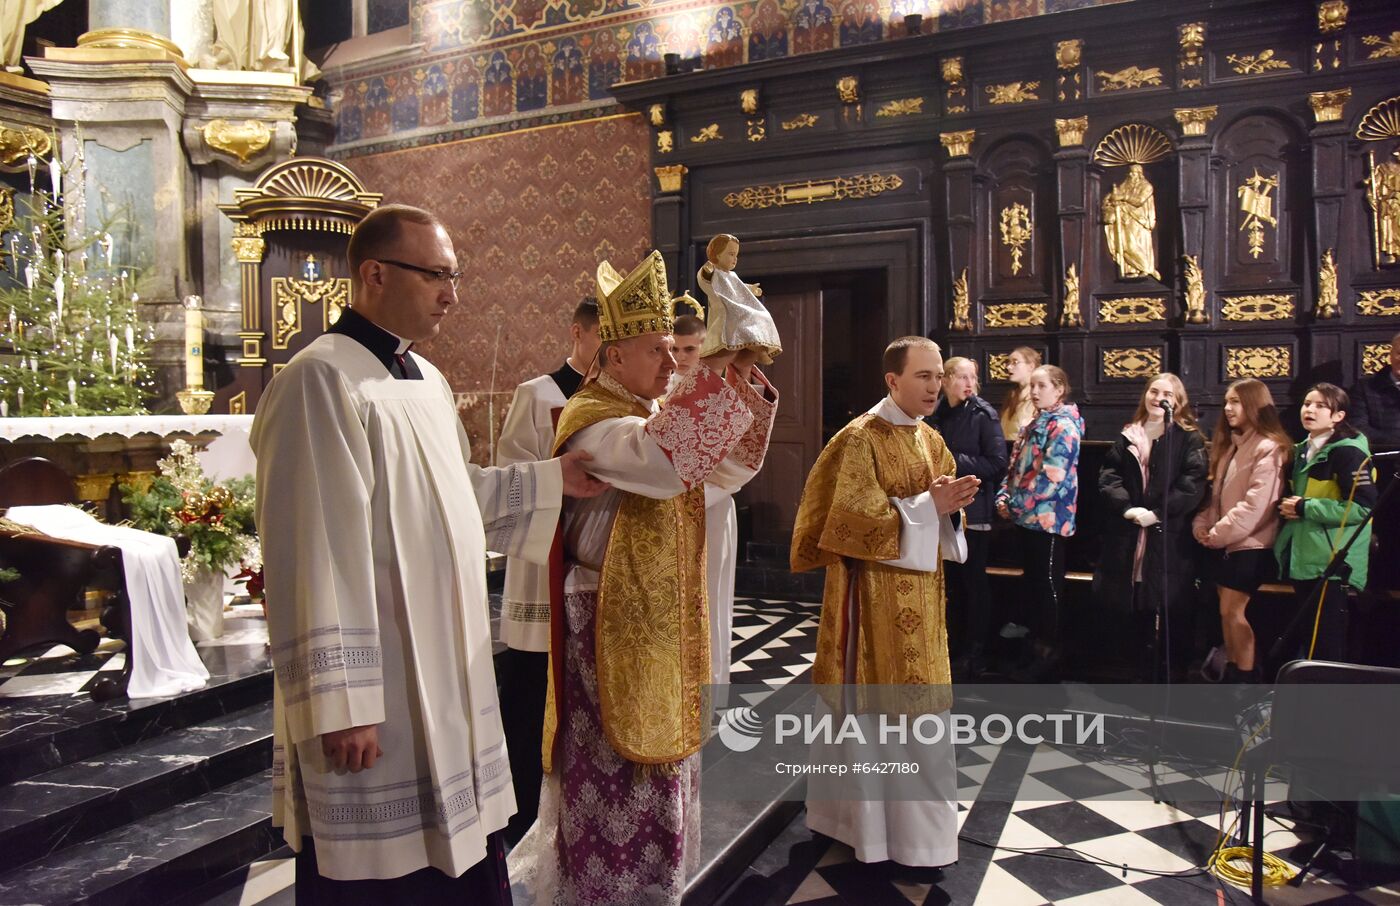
[(1311, 734)]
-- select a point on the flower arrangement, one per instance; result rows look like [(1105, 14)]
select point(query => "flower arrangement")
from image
[(217, 518)]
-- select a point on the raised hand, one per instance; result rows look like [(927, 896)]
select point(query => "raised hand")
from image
[(577, 482)]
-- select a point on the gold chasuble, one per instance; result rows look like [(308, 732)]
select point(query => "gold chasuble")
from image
[(847, 523), (653, 635)]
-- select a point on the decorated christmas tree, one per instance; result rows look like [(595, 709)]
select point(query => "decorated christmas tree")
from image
[(71, 342)]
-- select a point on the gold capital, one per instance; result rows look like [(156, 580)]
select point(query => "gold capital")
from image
[(1194, 120), (1327, 106), (959, 144), (671, 177), (1071, 131)]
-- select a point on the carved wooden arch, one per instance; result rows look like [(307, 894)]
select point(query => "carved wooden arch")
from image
[(1017, 189), (1270, 142)]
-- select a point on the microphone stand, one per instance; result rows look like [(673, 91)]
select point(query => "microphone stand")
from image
[(1159, 629), (1337, 566)]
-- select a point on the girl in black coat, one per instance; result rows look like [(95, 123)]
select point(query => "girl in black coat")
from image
[(972, 430), (1136, 556)]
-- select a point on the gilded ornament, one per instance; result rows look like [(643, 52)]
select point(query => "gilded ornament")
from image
[(665, 141), (1132, 310), (1379, 303), (1015, 314), (1191, 38), (242, 140), (811, 191), (1257, 307), (1071, 131), (1327, 106), (757, 131), (1129, 219), (1072, 314), (1383, 197), (1258, 209), (1013, 93), (290, 294), (1327, 303), (1126, 79), (1195, 291), (1381, 122), (848, 89), (238, 403), (1131, 362), (999, 366), (901, 107), (248, 245), (708, 134), (952, 71), (1194, 120), (801, 121), (1385, 48), (17, 143), (962, 305), (1258, 362), (657, 114), (7, 211), (1374, 357), (1257, 63), (1068, 53), (748, 101), (1016, 231), (959, 144), (1331, 16), (1134, 143), (670, 177)]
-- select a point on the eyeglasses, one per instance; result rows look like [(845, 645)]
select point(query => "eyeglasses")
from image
[(441, 276)]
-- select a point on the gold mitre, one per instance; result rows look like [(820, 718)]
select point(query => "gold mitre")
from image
[(637, 304)]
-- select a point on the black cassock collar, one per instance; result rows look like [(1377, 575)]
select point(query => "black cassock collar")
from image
[(391, 351)]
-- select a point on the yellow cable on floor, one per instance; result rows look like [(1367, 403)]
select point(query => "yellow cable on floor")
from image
[(1235, 864)]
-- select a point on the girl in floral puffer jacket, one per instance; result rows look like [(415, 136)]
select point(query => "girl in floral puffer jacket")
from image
[(1040, 496)]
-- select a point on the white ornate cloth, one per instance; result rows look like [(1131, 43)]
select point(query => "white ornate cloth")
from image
[(374, 526), (163, 659), (736, 318)]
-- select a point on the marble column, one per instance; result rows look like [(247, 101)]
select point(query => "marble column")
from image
[(144, 15)]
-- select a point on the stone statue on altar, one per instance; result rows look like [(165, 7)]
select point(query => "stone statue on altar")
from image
[(258, 36), (1129, 219), (14, 16)]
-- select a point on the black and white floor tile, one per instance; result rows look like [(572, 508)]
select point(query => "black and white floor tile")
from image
[(1116, 847)]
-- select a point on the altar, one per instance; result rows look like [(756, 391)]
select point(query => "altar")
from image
[(100, 452)]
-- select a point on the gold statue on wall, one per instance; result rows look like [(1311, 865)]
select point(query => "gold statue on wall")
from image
[(962, 306), (1327, 306), (1195, 291), (1129, 219), (1383, 195)]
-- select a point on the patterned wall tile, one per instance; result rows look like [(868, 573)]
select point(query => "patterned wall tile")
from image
[(531, 213), (487, 69)]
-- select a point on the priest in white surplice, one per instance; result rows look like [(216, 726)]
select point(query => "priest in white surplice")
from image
[(528, 436), (876, 513), (629, 650), (390, 776)]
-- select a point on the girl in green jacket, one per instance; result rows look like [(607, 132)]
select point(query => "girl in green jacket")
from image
[(1332, 490)]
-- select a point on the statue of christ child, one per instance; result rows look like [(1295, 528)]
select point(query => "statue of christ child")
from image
[(736, 319)]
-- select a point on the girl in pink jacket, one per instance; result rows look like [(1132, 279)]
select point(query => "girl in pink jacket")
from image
[(1239, 523)]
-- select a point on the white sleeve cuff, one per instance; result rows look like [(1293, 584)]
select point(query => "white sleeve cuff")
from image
[(918, 533)]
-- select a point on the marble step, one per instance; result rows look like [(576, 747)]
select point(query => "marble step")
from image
[(156, 859), (72, 803), (53, 731)]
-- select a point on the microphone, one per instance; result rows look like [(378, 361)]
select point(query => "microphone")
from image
[(1166, 407)]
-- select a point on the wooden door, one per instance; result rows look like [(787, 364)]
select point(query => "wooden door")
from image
[(773, 495)]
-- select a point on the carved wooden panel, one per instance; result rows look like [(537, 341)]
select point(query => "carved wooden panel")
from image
[(1016, 238), (1258, 240)]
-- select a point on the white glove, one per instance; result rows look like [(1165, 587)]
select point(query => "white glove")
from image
[(1141, 515)]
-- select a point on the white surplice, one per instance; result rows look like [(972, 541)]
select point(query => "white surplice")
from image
[(916, 832), (374, 528), (163, 659), (528, 436)]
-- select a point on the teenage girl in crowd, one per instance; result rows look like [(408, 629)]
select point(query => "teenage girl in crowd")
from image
[(1040, 495), (1146, 540), (1331, 492), (1017, 410), (1249, 451), (972, 431)]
